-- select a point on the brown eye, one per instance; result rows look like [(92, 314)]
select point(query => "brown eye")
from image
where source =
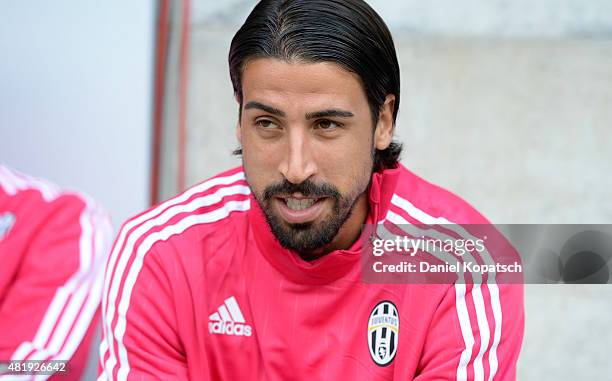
[(327, 125), (266, 124)]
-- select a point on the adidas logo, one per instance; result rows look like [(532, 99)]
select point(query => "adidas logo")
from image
[(228, 320)]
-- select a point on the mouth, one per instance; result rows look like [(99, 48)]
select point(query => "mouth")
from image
[(297, 209)]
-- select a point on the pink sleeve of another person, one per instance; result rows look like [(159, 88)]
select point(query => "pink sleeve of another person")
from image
[(52, 257)]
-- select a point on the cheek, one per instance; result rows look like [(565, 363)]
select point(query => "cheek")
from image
[(347, 164), (259, 162)]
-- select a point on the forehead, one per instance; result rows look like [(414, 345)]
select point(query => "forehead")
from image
[(287, 82)]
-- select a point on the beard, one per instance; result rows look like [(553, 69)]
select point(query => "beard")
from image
[(306, 238)]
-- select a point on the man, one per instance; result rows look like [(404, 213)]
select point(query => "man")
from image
[(255, 273), (53, 246)]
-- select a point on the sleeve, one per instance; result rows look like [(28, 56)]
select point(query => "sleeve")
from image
[(50, 309), (476, 334), (140, 335)]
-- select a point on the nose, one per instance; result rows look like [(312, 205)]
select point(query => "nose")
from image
[(298, 163)]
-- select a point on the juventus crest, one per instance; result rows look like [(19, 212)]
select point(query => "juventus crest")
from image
[(383, 331)]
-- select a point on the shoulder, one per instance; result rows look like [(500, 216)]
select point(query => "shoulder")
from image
[(184, 220), (38, 219), (170, 243), (431, 204), (32, 198), (14, 183)]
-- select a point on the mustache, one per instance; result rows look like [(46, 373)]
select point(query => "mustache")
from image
[(306, 188)]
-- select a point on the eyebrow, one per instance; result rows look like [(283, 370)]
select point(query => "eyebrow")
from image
[(311, 115), (329, 113), (266, 108)]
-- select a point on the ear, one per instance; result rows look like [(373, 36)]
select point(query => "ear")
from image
[(384, 127)]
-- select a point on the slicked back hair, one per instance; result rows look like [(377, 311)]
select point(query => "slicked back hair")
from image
[(345, 32)]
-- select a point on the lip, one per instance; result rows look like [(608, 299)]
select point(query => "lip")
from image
[(300, 216)]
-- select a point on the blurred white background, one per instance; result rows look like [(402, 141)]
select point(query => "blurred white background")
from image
[(76, 95)]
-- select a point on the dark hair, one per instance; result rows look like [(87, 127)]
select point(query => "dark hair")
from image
[(346, 32)]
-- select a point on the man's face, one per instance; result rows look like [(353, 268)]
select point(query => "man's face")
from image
[(308, 141)]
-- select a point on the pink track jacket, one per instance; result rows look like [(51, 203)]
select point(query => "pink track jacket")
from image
[(198, 288)]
